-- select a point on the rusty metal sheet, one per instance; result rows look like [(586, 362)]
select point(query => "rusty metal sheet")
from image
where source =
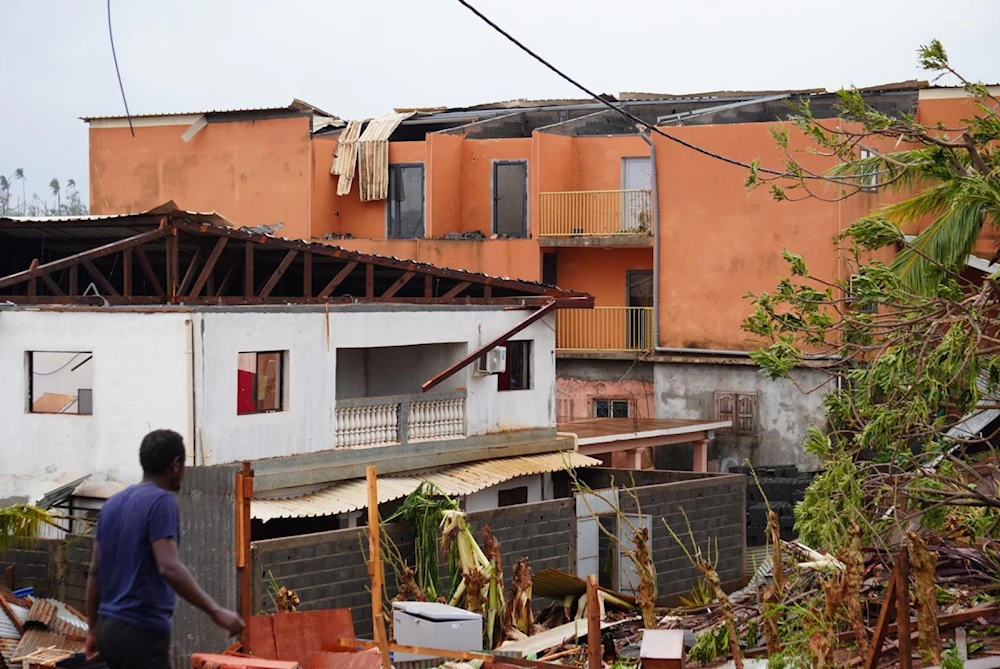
[(296, 105), (43, 612), (555, 584), (7, 648), (456, 481), (36, 639)]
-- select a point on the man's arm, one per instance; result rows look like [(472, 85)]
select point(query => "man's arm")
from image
[(180, 579), (93, 600)]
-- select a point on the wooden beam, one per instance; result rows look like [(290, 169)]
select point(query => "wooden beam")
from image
[(147, 269), (479, 352), (454, 292), (173, 265), (226, 279), (488, 291), (278, 273), (209, 267), (903, 608), (74, 280), (307, 274), (428, 285), (248, 289), (450, 654), (337, 280), (376, 569), (369, 280), (882, 626), (75, 259), (396, 287), (189, 273), (53, 286), (244, 499), (594, 651), (99, 278), (33, 281), (127, 272)]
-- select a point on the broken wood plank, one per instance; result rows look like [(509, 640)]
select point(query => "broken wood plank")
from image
[(376, 567), (882, 626), (451, 654)]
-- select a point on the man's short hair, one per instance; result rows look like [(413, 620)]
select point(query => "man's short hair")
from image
[(159, 449)]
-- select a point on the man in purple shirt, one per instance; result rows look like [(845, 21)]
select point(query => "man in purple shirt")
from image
[(135, 570)]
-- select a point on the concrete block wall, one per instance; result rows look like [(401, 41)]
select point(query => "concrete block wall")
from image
[(716, 509), (55, 568), (327, 570), (74, 574), (31, 565)]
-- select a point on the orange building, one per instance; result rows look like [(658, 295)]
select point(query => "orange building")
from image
[(665, 237)]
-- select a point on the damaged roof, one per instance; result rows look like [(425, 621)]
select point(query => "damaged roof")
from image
[(295, 106), (168, 255)]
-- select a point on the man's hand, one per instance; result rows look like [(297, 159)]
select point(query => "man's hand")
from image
[(228, 620), (90, 648)]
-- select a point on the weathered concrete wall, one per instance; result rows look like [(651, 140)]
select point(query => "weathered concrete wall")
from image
[(55, 568), (327, 570), (785, 412), (579, 382)]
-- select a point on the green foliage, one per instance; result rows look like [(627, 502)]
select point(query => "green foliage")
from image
[(19, 524), (710, 644), (950, 659), (423, 509)]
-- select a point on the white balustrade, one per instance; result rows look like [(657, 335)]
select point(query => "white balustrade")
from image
[(436, 419), (367, 425)]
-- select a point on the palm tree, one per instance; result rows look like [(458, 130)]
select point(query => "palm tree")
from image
[(54, 187), (19, 176), (71, 184), (4, 193), (20, 523)]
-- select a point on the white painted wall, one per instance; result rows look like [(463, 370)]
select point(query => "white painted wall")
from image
[(143, 374), (308, 423), (539, 489), (139, 382)]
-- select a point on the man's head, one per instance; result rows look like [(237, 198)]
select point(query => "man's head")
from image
[(162, 457)]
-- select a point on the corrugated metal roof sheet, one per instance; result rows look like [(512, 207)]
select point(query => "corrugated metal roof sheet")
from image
[(38, 639), (8, 630), (296, 105), (7, 648), (345, 156), (373, 156), (20, 611), (43, 612), (99, 489), (456, 481)]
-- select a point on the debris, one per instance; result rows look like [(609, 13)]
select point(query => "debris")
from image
[(662, 649), (518, 614)]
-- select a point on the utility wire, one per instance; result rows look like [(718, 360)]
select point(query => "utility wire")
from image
[(111, 36), (621, 110)]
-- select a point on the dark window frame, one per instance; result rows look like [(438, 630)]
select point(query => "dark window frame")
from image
[(611, 402), (30, 397), (279, 391), (524, 206), (734, 397), (392, 214), (528, 362), (868, 178), (519, 495)]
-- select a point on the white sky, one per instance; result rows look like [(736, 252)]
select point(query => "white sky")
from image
[(364, 57)]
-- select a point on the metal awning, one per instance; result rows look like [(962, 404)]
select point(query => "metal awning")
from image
[(456, 481)]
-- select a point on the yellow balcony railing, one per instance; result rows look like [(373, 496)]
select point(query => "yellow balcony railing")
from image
[(594, 213), (605, 329)]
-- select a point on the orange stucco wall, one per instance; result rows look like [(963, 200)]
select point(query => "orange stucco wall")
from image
[(575, 397), (600, 271), (597, 163), (478, 157), (514, 258), (445, 192), (367, 220), (325, 213), (252, 172)]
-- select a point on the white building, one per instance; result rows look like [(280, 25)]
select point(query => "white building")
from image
[(255, 348)]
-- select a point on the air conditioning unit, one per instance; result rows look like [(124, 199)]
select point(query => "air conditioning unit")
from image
[(494, 362)]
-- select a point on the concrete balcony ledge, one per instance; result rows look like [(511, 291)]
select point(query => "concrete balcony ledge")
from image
[(597, 241)]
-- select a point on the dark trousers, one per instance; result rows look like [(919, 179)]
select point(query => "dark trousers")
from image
[(125, 646)]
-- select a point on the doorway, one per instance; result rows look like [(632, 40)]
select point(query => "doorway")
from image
[(638, 322), (510, 198), (637, 180)]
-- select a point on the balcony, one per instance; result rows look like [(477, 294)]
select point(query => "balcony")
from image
[(609, 329), (595, 218), (368, 422)]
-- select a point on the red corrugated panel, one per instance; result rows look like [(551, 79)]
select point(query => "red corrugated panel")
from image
[(208, 661), (369, 659)]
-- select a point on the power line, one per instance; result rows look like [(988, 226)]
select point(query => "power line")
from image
[(111, 36), (621, 110)]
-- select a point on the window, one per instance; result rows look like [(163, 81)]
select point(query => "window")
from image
[(406, 201), (869, 174), (512, 496), (61, 382), (260, 382), (518, 374), (605, 408), (740, 409)]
